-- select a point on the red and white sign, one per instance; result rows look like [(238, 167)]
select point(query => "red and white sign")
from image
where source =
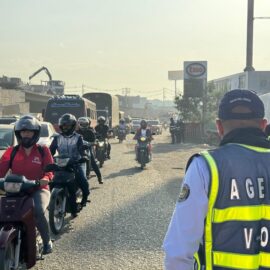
[(195, 70)]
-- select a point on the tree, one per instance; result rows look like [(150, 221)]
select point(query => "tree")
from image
[(190, 108)]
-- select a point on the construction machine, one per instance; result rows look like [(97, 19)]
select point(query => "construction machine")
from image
[(54, 87)]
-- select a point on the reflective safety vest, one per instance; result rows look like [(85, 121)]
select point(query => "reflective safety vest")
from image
[(237, 225)]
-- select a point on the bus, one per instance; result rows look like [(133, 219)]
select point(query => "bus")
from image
[(107, 106), (73, 104)]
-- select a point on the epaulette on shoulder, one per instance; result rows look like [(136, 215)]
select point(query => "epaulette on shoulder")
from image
[(190, 159)]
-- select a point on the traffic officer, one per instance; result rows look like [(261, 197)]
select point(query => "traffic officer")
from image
[(221, 219)]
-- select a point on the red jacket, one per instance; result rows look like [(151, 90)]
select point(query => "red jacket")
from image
[(32, 166)]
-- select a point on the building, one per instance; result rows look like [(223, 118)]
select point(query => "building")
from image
[(258, 81)]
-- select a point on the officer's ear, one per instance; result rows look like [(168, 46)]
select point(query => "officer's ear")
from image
[(263, 124), (220, 128)]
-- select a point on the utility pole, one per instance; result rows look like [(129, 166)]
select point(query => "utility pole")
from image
[(82, 89), (250, 19), (164, 96), (126, 92)]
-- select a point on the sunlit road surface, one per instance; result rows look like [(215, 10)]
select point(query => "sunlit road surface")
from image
[(124, 225)]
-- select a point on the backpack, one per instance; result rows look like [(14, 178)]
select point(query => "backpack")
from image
[(15, 150)]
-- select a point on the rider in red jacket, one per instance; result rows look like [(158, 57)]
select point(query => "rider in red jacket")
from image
[(30, 161)]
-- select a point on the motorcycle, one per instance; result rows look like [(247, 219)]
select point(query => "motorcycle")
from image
[(143, 151), (19, 241), (101, 146), (121, 135), (64, 175)]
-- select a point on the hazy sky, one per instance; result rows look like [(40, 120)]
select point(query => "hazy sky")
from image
[(114, 44)]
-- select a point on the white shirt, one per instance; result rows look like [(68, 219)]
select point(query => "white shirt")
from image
[(187, 223), (143, 132)]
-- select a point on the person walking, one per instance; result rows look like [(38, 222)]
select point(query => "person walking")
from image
[(221, 219)]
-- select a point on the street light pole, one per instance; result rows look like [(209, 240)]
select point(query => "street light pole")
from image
[(249, 56)]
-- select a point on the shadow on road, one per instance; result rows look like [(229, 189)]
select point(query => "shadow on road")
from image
[(140, 225), (168, 147), (124, 172)]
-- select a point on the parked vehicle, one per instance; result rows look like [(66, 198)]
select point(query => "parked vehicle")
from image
[(155, 126), (63, 169), (19, 243), (47, 133), (134, 125), (7, 137), (143, 151), (8, 119)]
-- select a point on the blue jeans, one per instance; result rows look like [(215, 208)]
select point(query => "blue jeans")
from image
[(41, 199), (82, 181)]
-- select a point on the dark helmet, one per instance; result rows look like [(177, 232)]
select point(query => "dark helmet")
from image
[(143, 124), (84, 122), (67, 123), (27, 122), (122, 121), (101, 120)]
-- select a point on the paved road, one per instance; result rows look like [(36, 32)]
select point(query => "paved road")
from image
[(124, 225)]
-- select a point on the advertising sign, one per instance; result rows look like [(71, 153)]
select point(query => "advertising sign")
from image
[(195, 77), (195, 70), (175, 75)]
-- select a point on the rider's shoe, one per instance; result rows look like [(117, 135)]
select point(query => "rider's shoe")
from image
[(84, 202), (47, 248), (100, 180)]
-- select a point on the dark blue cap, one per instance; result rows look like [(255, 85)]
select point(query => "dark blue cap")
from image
[(240, 97)]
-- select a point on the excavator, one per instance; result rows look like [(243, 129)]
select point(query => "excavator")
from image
[(53, 87)]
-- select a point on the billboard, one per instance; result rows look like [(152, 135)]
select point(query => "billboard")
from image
[(175, 75)]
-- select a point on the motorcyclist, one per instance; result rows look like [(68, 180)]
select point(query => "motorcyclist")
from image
[(172, 130), (102, 130), (88, 135), (70, 143), (145, 132), (28, 160), (122, 127)]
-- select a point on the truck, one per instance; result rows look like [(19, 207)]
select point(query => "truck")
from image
[(107, 105)]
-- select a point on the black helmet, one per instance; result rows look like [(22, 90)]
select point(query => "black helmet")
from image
[(67, 123), (122, 121), (101, 120), (84, 122), (143, 124), (27, 122)]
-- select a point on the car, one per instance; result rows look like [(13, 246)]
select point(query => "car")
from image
[(46, 134), (155, 126), (8, 119), (134, 125), (7, 137)]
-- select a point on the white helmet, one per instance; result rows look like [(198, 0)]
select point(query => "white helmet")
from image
[(83, 122)]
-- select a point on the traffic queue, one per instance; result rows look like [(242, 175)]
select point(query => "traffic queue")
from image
[(35, 178)]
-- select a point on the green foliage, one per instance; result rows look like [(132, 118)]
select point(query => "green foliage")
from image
[(190, 108)]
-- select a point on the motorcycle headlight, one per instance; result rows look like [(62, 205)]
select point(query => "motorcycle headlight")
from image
[(12, 187), (62, 162), (142, 139)]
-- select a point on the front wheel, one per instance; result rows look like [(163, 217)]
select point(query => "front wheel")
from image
[(7, 257), (57, 210)]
